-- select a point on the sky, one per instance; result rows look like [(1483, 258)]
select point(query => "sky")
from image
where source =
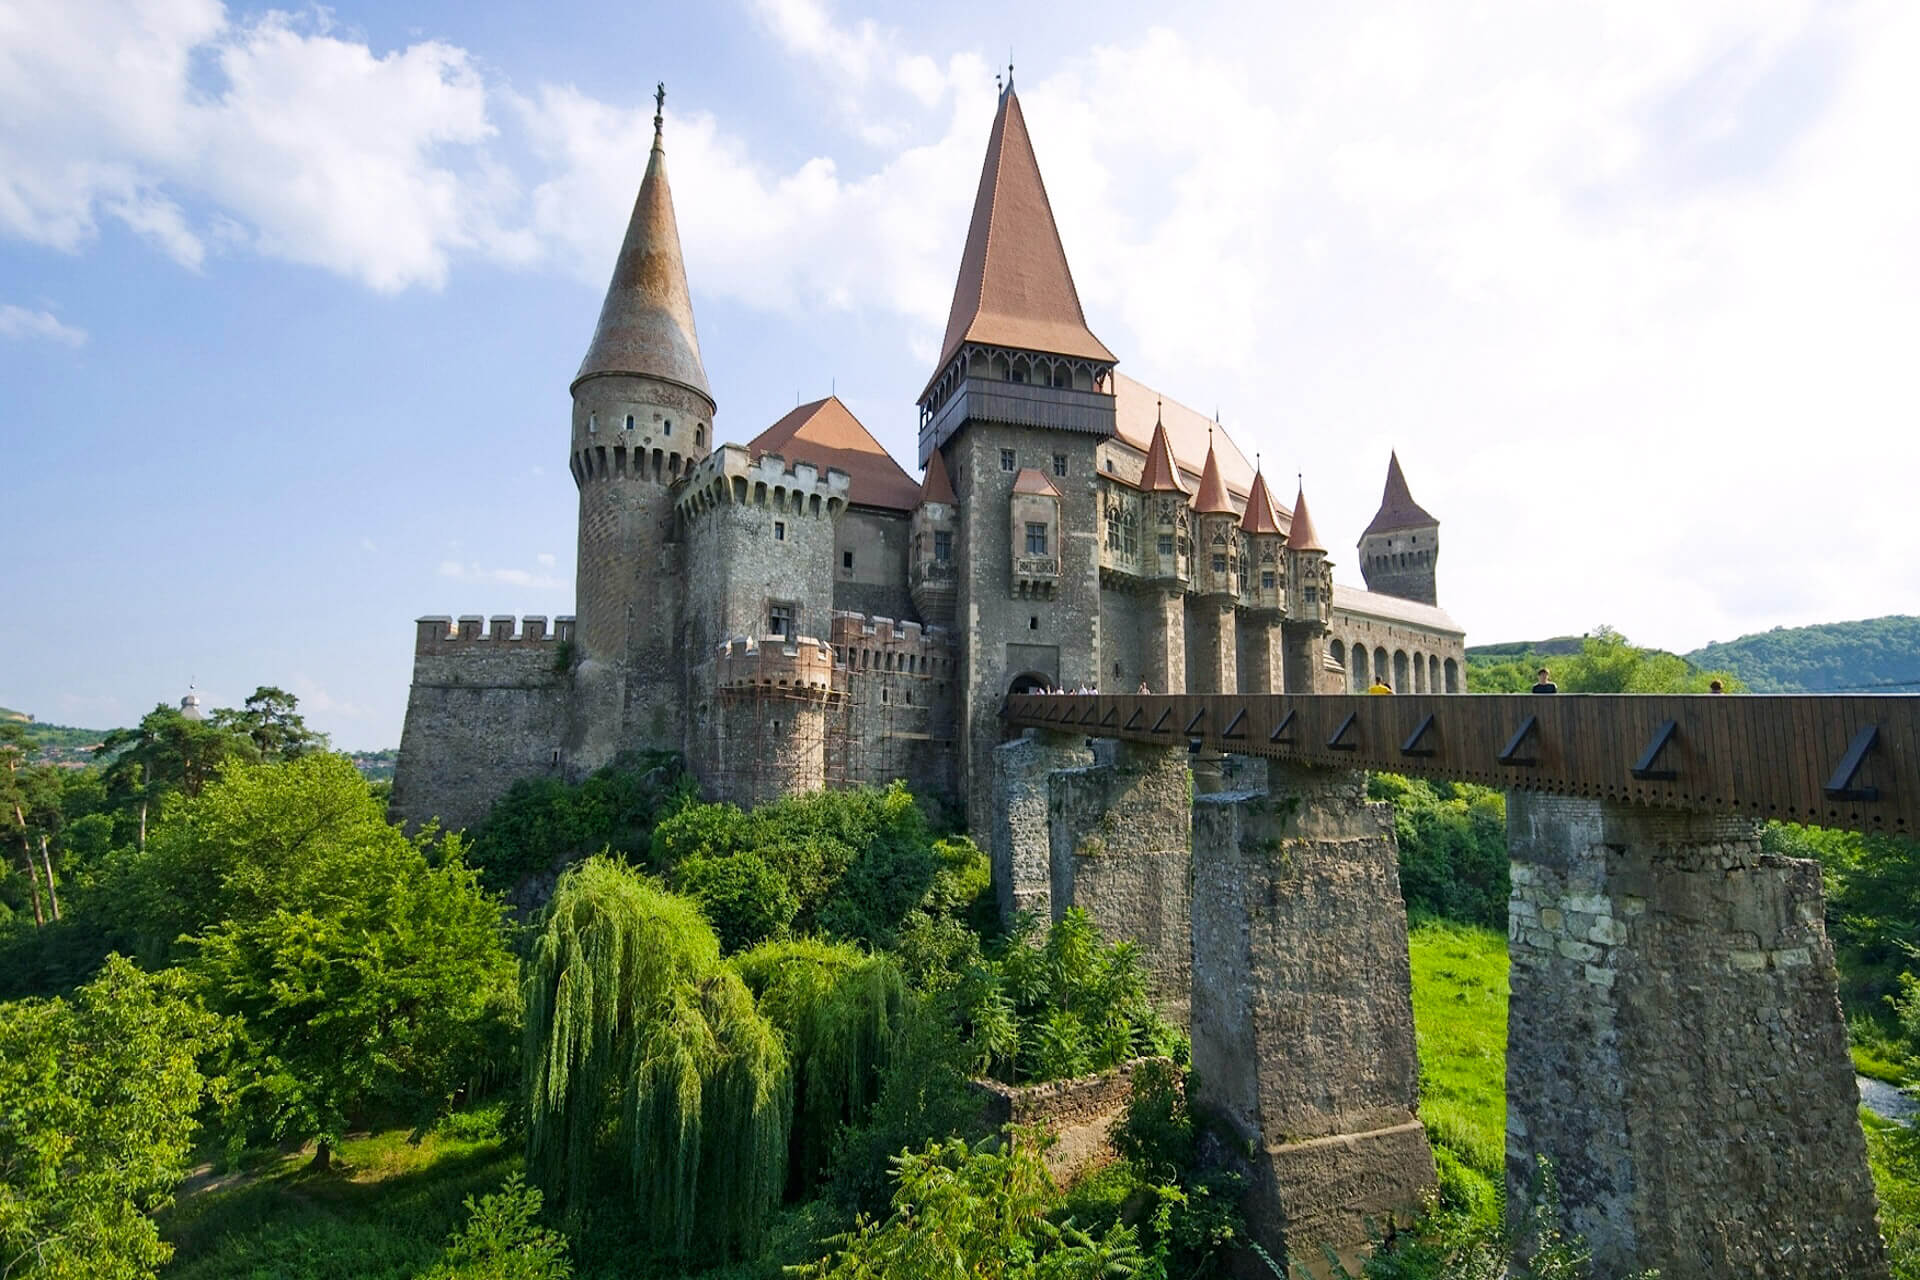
[(290, 299)]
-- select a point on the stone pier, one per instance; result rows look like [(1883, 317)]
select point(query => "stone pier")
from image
[(1121, 851), (1020, 848), (1676, 1047), (1302, 1008)]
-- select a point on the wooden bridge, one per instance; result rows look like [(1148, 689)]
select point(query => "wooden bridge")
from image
[(1836, 761)]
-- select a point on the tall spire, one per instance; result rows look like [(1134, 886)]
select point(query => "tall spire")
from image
[(938, 486), (1260, 516), (1212, 498), (1162, 473), (1301, 537), (1015, 289), (1398, 510), (646, 322)]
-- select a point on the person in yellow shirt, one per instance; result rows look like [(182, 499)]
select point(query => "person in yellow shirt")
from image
[(1380, 686)]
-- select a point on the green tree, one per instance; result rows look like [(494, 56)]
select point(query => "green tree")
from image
[(1606, 663), (503, 1241), (387, 1001), (29, 806), (97, 1104), (645, 1054), (166, 754), (271, 720)]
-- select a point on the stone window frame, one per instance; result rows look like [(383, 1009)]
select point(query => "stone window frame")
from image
[(783, 611), (779, 530), (1060, 464), (846, 559), (942, 546), (1036, 537)]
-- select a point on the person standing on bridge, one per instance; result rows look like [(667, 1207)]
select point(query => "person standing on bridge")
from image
[(1143, 687), (1543, 682), (1380, 685)]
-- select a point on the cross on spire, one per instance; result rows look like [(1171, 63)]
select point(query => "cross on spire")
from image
[(659, 106)]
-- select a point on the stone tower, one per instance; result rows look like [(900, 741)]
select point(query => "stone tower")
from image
[(1400, 547), (1170, 554), (642, 416), (1309, 600), (1265, 557), (1216, 581), (1020, 399), (936, 522)]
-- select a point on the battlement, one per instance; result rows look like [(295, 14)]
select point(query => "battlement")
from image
[(441, 634), (730, 474), (796, 665), (886, 633)]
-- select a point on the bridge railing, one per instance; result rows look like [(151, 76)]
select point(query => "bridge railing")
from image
[(1834, 760)]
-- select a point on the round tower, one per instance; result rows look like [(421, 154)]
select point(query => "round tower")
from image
[(1401, 546), (1216, 578), (1309, 600), (1264, 540), (642, 416)]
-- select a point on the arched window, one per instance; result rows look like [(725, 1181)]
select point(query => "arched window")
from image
[(629, 422), (699, 435)]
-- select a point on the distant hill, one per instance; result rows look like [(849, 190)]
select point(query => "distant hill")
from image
[(1874, 655)]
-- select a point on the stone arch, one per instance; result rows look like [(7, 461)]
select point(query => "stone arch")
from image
[(1030, 682), (1337, 650), (1419, 672), (1400, 671), (1433, 673), (1357, 678), (1453, 676), (1382, 664)]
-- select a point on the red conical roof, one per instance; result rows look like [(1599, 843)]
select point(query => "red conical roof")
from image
[(646, 321), (1301, 536), (1162, 473), (1212, 498), (1398, 510), (1014, 288), (826, 433), (937, 487), (1260, 516)]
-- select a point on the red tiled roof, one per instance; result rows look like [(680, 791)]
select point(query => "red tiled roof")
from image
[(1398, 510), (1031, 481), (937, 486), (1260, 516), (1300, 534), (1162, 473), (827, 434), (1138, 408), (1014, 288), (646, 321), (1212, 498)]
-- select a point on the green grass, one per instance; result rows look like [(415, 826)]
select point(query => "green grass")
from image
[(1460, 1018)]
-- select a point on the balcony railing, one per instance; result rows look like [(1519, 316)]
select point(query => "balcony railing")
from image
[(1020, 404)]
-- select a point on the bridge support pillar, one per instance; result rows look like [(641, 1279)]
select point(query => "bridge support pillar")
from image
[(1676, 1047), (1020, 848), (1302, 1008), (1122, 851)]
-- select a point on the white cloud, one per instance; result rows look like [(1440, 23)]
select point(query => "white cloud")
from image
[(19, 322), (317, 702), (468, 571)]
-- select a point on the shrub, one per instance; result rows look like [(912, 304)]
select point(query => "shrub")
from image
[(745, 900), (502, 1241)]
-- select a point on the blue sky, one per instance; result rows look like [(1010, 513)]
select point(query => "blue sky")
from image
[(289, 301)]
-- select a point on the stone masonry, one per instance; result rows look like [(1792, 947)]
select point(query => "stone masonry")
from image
[(1676, 1047), (1303, 1039), (1121, 834), (1021, 844)]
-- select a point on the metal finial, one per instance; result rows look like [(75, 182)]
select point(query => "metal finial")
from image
[(1256, 460), (999, 84), (659, 105)]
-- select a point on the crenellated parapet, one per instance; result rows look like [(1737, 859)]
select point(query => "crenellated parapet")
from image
[(864, 644), (790, 666), (440, 634), (732, 475)]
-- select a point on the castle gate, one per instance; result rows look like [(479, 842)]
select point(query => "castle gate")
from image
[(1675, 1039)]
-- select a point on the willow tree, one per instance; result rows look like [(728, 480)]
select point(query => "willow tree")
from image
[(646, 1053), (841, 1012)]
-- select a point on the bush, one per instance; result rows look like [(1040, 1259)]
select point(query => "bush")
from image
[(745, 900), (502, 1241), (541, 823), (1453, 848)]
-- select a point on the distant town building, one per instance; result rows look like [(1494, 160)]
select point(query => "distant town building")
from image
[(798, 611)]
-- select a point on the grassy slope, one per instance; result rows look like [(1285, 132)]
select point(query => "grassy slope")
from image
[(1460, 1016)]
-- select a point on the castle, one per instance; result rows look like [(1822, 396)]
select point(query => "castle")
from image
[(799, 612)]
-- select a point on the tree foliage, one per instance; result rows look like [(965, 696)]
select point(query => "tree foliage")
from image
[(542, 823), (1606, 663), (97, 1102), (503, 1240), (270, 720), (645, 1054), (1453, 847), (1876, 654)]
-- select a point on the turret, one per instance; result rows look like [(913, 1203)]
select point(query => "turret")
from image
[(1309, 601), (1169, 515), (1219, 570), (936, 524), (642, 417), (1266, 550), (1400, 547)]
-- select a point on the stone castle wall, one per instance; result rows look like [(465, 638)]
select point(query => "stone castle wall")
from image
[(489, 706)]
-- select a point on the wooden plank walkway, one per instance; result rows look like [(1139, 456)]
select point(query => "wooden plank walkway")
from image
[(1835, 760)]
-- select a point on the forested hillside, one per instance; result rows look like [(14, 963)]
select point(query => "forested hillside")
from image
[(1872, 655)]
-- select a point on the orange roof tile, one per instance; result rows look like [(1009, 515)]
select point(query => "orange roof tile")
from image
[(1212, 498), (937, 486), (1031, 481), (1162, 473), (1014, 288), (1260, 516), (646, 321), (1136, 410), (827, 434), (1398, 510), (1300, 534)]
